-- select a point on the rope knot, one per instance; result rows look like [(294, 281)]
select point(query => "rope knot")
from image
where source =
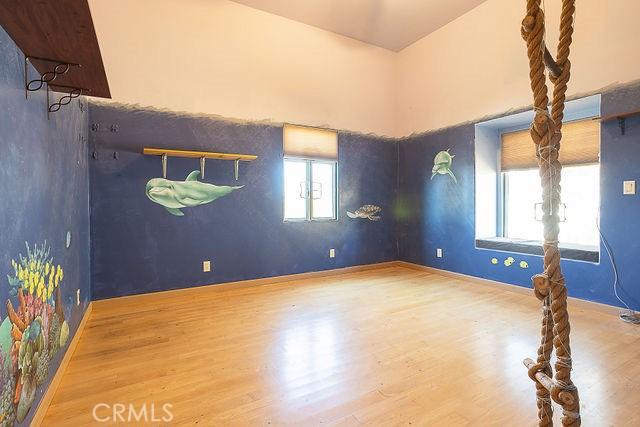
[(541, 285), (528, 23)]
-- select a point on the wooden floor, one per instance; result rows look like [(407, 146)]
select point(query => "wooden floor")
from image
[(394, 346)]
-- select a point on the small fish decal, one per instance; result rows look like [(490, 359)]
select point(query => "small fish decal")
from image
[(524, 264), (370, 212), (509, 261), (176, 195), (442, 165)]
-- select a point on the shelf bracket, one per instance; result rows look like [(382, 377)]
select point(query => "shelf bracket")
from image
[(74, 92), (202, 163), (164, 165), (236, 167), (60, 68), (622, 123)]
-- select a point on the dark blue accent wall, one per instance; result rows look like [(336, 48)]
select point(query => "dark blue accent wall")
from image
[(139, 247), (44, 193), (439, 214)]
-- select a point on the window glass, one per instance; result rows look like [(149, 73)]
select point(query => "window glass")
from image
[(295, 189), (323, 190), (580, 198)]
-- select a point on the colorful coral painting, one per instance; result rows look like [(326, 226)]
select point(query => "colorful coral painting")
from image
[(442, 165), (176, 195), (33, 331)]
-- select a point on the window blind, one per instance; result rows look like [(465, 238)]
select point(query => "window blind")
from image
[(309, 142), (580, 145)]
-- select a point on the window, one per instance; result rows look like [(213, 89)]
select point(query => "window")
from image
[(578, 212), (310, 173), (580, 181), (310, 189)]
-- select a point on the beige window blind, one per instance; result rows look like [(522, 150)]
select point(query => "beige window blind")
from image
[(310, 142), (580, 145)]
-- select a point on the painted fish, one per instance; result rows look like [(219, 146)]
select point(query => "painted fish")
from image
[(175, 195), (369, 212), (442, 165)]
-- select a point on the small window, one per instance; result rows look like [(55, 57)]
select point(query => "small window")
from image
[(310, 189), (310, 173)]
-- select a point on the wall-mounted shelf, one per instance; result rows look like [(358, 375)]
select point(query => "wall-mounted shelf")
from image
[(202, 155), (59, 40), (199, 154)]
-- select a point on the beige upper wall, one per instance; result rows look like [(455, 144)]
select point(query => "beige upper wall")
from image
[(219, 57), (477, 64)]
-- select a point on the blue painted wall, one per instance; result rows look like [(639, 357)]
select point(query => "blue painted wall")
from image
[(44, 192), (138, 247), (439, 214)]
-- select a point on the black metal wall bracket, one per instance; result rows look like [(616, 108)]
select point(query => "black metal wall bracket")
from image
[(60, 68), (74, 92), (622, 123)]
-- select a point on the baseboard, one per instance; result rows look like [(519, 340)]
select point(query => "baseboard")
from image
[(262, 281), (573, 302), (43, 406)]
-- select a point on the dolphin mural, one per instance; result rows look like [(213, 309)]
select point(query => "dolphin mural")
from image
[(442, 165), (175, 195)]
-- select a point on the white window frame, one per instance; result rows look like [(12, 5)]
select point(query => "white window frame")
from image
[(308, 190)]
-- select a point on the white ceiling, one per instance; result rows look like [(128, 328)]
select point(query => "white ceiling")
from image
[(391, 24)]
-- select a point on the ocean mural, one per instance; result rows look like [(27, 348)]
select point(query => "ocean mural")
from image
[(176, 195), (442, 165), (32, 332), (370, 212)]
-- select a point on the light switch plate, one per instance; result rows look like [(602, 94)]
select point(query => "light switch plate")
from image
[(332, 253), (206, 266), (629, 187)]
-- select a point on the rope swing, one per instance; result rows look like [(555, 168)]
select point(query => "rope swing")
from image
[(549, 286)]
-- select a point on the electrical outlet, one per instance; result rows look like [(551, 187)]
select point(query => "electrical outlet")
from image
[(78, 297), (206, 266), (332, 253), (439, 253), (629, 187)]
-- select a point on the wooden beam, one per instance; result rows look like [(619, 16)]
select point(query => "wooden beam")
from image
[(199, 154), (551, 63)]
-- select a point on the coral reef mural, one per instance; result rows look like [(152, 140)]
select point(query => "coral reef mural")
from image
[(32, 332), (442, 165), (176, 195), (370, 212)]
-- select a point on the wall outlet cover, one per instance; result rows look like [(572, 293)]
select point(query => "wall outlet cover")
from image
[(439, 253), (206, 266), (629, 187), (78, 297), (332, 253)]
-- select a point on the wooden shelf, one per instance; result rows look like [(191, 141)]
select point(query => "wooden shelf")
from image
[(60, 31), (198, 154), (620, 115)]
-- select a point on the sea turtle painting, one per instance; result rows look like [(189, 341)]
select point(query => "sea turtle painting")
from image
[(370, 212), (442, 165)]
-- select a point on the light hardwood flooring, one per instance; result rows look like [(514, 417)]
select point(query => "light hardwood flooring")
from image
[(393, 346)]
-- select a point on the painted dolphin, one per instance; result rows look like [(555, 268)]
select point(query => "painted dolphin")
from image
[(175, 195), (442, 165)]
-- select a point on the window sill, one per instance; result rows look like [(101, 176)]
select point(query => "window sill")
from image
[(534, 247)]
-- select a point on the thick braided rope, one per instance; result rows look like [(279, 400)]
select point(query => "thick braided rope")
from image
[(546, 134)]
